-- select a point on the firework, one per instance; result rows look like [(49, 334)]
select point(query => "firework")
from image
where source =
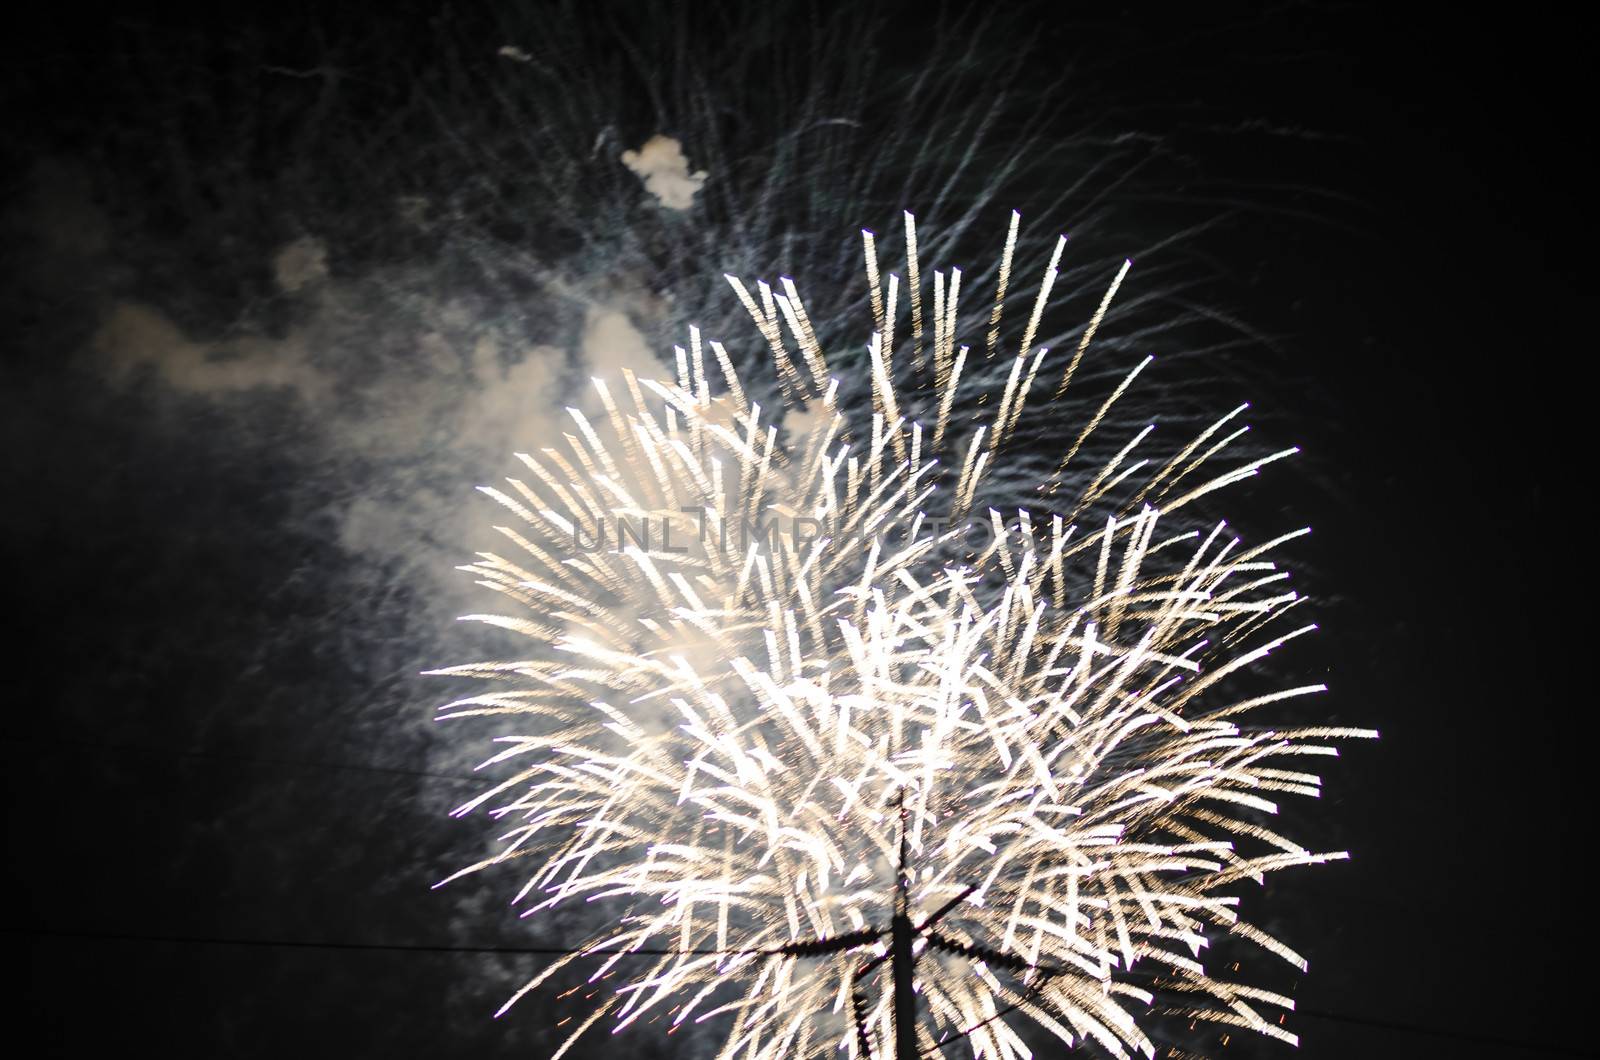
[(853, 760)]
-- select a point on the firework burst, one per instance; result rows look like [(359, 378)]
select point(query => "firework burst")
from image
[(855, 761)]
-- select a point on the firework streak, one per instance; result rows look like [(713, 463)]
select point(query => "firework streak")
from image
[(774, 757)]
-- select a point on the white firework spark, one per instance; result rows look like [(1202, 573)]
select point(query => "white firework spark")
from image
[(805, 761)]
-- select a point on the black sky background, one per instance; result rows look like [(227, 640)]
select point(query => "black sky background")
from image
[(1429, 345)]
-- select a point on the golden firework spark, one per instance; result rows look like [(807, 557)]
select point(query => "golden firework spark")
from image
[(801, 707)]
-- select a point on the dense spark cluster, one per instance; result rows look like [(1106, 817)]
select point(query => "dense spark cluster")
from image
[(791, 678)]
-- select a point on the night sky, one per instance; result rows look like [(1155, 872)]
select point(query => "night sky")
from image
[(283, 287)]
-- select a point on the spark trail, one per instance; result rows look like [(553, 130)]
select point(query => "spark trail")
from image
[(790, 680)]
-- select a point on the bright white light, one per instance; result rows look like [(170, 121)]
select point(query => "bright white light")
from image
[(727, 743)]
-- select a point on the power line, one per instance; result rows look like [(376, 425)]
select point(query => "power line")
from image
[(553, 951), (222, 756), (289, 944), (567, 951), (357, 767), (794, 949), (1444, 1032)]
